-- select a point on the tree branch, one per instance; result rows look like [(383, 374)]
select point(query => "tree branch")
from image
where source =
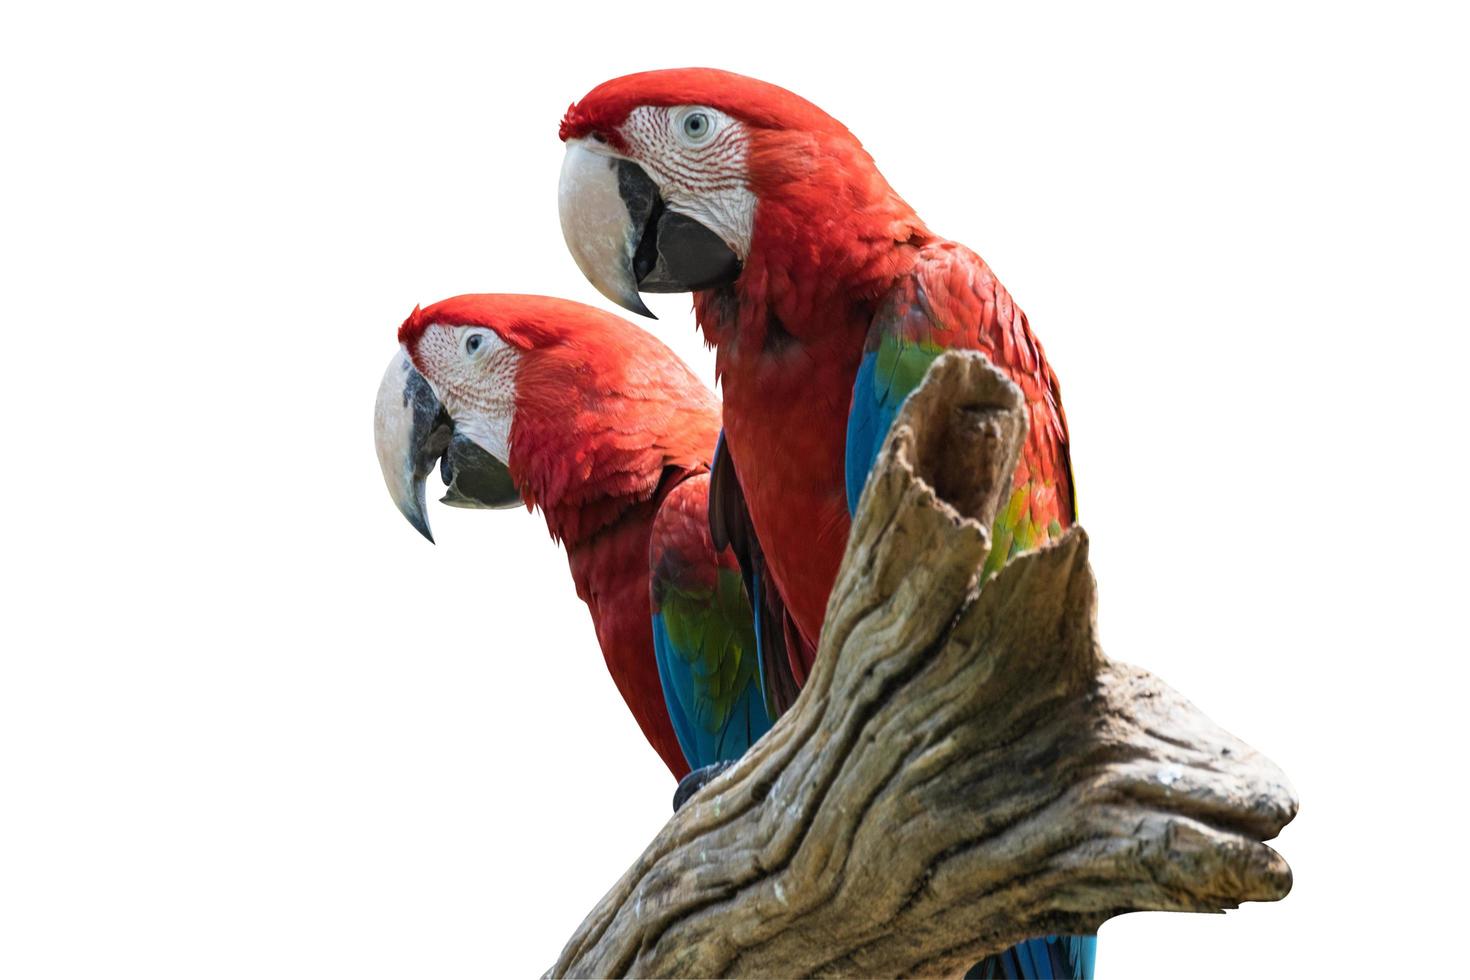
[(964, 768)]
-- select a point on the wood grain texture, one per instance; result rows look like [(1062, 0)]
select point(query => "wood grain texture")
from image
[(964, 768)]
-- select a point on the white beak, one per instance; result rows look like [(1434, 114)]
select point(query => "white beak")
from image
[(410, 435), (597, 225)]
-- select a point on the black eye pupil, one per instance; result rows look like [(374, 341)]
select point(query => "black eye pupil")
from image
[(696, 124), (473, 343)]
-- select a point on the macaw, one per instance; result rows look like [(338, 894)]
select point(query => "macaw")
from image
[(826, 298), (552, 404)]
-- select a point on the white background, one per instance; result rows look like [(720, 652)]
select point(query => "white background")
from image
[(252, 725)]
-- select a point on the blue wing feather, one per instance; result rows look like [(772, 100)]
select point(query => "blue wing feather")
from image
[(758, 609), (703, 744), (886, 376), (868, 422), (678, 684)]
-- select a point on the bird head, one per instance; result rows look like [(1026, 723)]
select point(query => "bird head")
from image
[(537, 401), (673, 179)]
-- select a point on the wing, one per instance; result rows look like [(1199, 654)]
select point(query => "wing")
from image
[(952, 301), (778, 641), (703, 633)]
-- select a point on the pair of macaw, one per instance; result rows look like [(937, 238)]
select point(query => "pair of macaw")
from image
[(826, 298)]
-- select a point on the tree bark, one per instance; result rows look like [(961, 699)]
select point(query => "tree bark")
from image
[(964, 768)]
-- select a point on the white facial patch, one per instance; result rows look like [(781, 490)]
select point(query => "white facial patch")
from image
[(704, 176), (473, 372)]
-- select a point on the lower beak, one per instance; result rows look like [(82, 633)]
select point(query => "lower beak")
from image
[(474, 478), (625, 240), (412, 432)]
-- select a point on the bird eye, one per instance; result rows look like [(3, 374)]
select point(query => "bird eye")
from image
[(697, 126), (472, 342)]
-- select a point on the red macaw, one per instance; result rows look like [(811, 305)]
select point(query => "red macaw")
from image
[(826, 298), (560, 406)]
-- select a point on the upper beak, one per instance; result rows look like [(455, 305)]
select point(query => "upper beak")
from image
[(625, 240), (412, 431)]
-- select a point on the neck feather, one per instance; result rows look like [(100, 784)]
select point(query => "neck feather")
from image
[(830, 237)]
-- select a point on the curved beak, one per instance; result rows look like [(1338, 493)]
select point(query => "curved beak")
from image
[(412, 432), (625, 240)]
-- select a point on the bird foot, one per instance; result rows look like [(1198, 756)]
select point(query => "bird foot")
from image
[(696, 781)]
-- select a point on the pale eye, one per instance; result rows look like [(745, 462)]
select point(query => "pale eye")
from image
[(472, 342), (697, 126)]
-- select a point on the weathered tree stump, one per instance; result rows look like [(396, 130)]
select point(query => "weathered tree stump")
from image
[(964, 769)]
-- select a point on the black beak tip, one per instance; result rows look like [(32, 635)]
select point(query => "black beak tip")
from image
[(636, 305), (421, 525)]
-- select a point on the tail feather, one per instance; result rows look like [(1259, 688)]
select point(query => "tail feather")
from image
[(1048, 958)]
